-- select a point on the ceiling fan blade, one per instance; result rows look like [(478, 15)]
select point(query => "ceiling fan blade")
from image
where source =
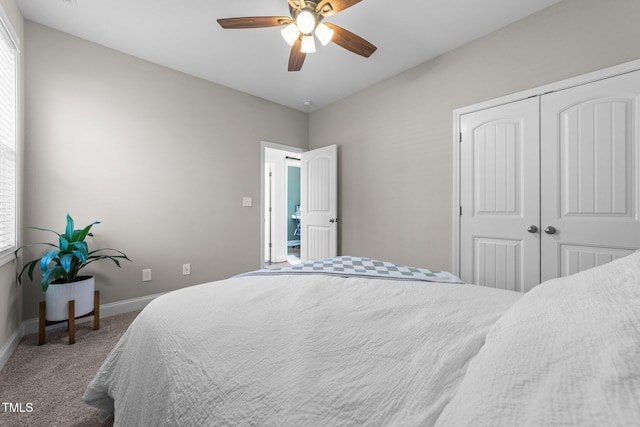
[(297, 4), (329, 7), (350, 41), (296, 59), (254, 22)]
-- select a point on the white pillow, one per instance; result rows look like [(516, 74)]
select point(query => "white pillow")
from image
[(566, 353)]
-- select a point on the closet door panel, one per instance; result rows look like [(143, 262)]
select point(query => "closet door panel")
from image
[(579, 258), (594, 148), (499, 177), (497, 263), (589, 155)]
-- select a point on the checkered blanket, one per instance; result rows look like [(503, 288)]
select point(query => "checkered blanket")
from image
[(349, 266)]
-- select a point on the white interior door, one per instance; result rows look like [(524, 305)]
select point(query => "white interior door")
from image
[(590, 182), (500, 196), (319, 203)]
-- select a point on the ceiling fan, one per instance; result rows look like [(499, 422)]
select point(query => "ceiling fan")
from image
[(305, 21)]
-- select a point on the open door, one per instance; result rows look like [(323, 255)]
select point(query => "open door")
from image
[(319, 203)]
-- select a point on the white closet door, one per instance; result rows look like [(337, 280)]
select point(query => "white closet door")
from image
[(590, 182), (500, 196)]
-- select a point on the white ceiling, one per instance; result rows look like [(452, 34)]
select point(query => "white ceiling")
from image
[(184, 35)]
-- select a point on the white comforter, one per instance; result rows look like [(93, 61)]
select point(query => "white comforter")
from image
[(306, 350), (566, 354)]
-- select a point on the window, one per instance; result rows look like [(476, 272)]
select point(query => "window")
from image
[(9, 55)]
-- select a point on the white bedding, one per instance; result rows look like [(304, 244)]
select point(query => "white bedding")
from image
[(313, 350), (566, 354), (306, 350)]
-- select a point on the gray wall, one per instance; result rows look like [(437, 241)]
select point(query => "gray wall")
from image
[(10, 292), (161, 158), (395, 138)]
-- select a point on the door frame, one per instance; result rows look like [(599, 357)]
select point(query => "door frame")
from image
[(615, 70), (279, 147)]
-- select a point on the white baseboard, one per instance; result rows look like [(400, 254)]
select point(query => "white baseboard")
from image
[(10, 346), (30, 326)]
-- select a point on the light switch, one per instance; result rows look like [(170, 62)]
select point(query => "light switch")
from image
[(247, 201)]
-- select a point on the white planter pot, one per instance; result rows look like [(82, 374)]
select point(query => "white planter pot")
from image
[(59, 295)]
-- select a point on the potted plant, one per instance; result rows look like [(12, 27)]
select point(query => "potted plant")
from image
[(61, 281)]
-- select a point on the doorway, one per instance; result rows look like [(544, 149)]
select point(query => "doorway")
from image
[(317, 221), (281, 230)]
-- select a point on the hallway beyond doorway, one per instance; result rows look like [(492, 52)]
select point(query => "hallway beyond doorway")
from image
[(293, 258)]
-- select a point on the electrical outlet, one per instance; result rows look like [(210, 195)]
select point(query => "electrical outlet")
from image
[(247, 201), (186, 269), (146, 275)]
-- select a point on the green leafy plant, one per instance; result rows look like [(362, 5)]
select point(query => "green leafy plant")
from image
[(70, 255)]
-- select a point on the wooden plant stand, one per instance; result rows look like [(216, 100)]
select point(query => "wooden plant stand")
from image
[(71, 326)]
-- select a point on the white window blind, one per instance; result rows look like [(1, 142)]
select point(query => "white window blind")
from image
[(8, 146)]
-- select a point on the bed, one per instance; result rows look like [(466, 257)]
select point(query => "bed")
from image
[(353, 341)]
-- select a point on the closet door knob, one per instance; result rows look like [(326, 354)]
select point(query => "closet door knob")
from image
[(550, 230), (532, 229)]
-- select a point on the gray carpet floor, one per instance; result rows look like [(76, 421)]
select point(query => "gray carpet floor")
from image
[(53, 377)]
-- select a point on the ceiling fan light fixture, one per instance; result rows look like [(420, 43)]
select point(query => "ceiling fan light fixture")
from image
[(290, 33), (306, 22), (304, 25), (324, 34), (308, 45)]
